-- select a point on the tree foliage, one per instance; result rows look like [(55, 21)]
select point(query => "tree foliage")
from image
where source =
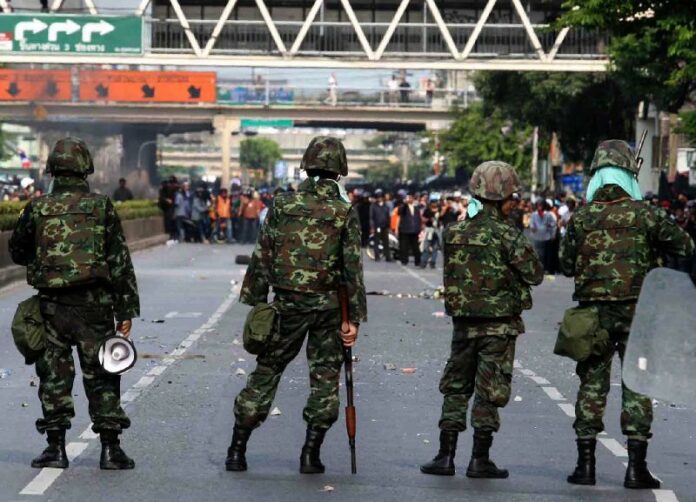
[(687, 126), (259, 153), (476, 136), (582, 108), (653, 45)]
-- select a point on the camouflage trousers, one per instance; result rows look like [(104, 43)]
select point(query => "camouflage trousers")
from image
[(325, 358), (86, 328), (595, 376), (482, 367)]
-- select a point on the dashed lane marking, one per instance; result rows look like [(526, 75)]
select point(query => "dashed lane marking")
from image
[(611, 444), (614, 446), (47, 476), (419, 277), (568, 409), (553, 393)]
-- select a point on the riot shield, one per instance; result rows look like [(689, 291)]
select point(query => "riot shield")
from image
[(660, 358)]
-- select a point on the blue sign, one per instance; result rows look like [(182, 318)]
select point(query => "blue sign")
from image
[(574, 182), (281, 170)]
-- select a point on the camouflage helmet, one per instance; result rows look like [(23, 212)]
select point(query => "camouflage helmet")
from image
[(325, 153), (70, 157), (494, 180), (614, 152)]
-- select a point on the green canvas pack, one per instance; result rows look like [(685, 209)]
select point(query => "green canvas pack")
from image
[(580, 334), (259, 327), (28, 329)]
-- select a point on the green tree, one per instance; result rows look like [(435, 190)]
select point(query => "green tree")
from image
[(259, 153), (687, 126), (582, 108), (383, 174), (476, 136), (653, 45)]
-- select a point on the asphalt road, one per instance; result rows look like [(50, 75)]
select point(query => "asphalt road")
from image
[(180, 398)]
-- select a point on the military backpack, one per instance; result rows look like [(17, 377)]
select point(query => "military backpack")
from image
[(70, 240), (28, 330)]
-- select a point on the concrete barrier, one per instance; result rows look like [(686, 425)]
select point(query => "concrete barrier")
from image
[(141, 233)]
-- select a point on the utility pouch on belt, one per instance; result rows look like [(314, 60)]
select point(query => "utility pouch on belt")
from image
[(28, 329), (258, 328), (580, 334)]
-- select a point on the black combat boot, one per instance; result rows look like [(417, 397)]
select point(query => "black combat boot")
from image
[(113, 458), (584, 473), (480, 465), (443, 463), (236, 453), (310, 463), (637, 473), (54, 455)]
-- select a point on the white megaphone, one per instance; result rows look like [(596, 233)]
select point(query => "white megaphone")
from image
[(117, 355)]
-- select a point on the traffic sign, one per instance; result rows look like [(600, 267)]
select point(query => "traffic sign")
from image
[(148, 86), (75, 34), (35, 85), (279, 123)]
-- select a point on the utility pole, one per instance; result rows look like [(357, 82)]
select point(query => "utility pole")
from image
[(535, 160)]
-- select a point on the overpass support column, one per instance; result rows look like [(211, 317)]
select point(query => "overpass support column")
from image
[(648, 178), (140, 151), (225, 125)]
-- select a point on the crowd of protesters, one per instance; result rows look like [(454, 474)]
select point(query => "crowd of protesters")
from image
[(396, 226), (417, 221), (201, 215)]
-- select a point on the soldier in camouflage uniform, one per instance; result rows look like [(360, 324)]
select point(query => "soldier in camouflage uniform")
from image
[(489, 268), (610, 246), (308, 244), (76, 256)]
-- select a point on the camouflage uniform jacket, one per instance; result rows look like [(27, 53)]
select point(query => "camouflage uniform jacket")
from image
[(294, 256), (117, 289), (612, 243), (489, 268)]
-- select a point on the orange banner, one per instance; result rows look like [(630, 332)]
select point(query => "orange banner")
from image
[(148, 86), (35, 85)]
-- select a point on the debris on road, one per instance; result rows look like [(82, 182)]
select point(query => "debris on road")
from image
[(327, 488), (408, 371), (439, 314), (276, 412), (518, 398), (25, 405), (5, 372), (240, 372), (236, 342), (389, 366)]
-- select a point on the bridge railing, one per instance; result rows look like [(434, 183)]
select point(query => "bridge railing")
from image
[(277, 95), (408, 39)]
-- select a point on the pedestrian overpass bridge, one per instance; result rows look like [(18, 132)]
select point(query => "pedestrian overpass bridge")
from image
[(398, 34)]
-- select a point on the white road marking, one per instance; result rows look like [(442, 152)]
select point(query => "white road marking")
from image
[(143, 382), (89, 433), (665, 496), (540, 380), (157, 370), (553, 393), (568, 409), (614, 446), (419, 277), (183, 315), (46, 477), (41, 482), (610, 443)]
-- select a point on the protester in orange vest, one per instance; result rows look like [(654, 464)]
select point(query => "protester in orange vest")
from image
[(224, 213)]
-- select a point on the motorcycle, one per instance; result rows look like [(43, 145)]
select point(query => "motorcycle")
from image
[(393, 247)]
